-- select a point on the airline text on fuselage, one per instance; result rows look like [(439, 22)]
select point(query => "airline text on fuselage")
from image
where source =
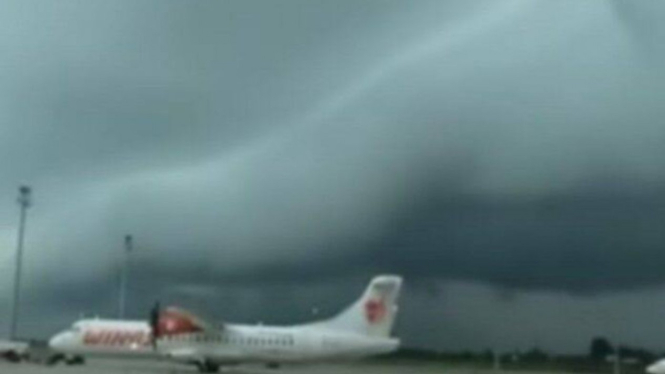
[(116, 338)]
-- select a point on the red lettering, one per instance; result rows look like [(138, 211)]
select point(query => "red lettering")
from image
[(116, 338), (91, 338)]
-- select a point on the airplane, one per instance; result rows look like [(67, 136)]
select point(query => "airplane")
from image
[(363, 329), (657, 367)]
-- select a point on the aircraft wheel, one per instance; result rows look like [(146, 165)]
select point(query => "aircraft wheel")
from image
[(54, 359), (12, 356), (75, 360), (208, 367)]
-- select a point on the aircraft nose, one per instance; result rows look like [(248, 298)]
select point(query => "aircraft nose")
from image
[(57, 341), (657, 368)]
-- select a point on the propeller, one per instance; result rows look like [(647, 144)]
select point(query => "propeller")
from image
[(154, 324)]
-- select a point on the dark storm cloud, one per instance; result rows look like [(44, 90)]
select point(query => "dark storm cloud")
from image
[(538, 190), (578, 243), (640, 21), (516, 144)]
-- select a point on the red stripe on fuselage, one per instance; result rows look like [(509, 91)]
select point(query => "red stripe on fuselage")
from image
[(115, 338)]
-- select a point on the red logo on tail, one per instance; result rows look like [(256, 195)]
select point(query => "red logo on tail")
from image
[(375, 310)]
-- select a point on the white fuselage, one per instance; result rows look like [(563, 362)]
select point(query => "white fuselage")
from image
[(230, 345), (657, 367)]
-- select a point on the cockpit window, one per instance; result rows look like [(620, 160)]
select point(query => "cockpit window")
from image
[(76, 328)]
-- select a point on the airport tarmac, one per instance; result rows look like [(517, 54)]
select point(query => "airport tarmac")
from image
[(138, 367)]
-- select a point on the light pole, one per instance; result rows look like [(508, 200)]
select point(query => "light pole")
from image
[(24, 202), (496, 360), (617, 360), (123, 277)]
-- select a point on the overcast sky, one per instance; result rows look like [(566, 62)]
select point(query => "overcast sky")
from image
[(507, 158)]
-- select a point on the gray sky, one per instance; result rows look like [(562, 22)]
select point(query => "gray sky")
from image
[(505, 157)]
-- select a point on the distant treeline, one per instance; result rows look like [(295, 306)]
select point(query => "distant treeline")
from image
[(599, 358)]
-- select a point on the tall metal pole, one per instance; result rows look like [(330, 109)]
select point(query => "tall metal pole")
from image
[(617, 360), (496, 360), (24, 202), (123, 277)]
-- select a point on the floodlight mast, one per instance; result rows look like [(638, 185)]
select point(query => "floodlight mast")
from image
[(124, 277), (24, 201)]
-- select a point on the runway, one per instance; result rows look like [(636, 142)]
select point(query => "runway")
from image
[(115, 366), (137, 367)]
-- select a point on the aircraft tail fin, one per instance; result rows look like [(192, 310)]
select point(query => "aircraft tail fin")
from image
[(375, 312)]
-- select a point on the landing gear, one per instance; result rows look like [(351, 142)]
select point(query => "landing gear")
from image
[(272, 365), (75, 360), (207, 367), (68, 360), (54, 359), (12, 356)]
